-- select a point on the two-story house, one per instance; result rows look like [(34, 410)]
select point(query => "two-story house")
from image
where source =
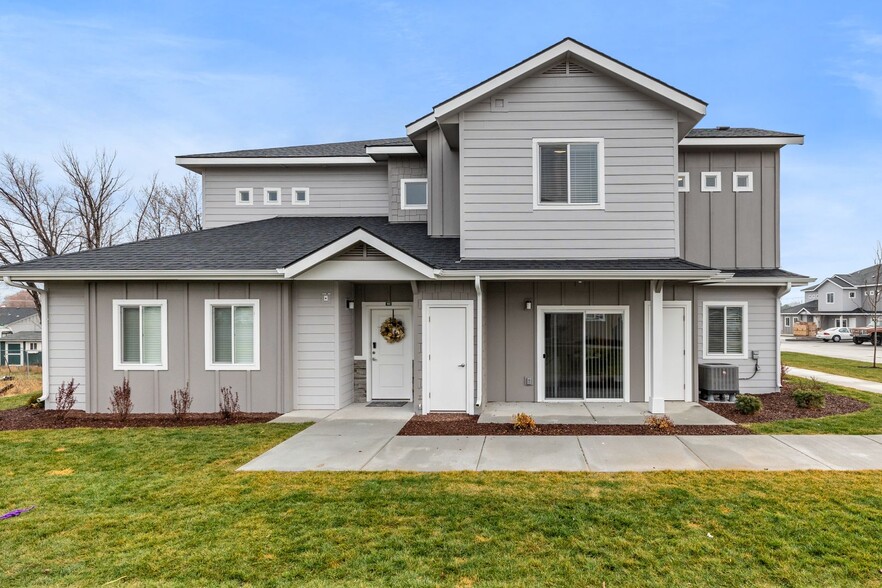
[(558, 232), (842, 300), (20, 337)]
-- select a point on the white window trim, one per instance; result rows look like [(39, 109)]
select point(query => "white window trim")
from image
[(601, 176), (744, 332), (830, 298), (404, 205), (268, 202), (33, 346), (704, 186), (749, 187), (294, 200), (239, 201), (685, 176), (210, 365), (786, 321), (852, 295), (118, 364), (540, 346)]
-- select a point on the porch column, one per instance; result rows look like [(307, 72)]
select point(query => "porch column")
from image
[(656, 348)]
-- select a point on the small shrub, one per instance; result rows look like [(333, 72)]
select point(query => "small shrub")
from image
[(181, 401), (524, 422), (660, 422), (746, 404), (121, 400), (65, 398), (809, 398), (35, 402), (229, 402)]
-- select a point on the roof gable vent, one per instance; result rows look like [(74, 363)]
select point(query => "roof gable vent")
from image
[(361, 251), (566, 68)]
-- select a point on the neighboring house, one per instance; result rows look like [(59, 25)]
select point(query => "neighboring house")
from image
[(20, 338), (558, 232), (842, 300)]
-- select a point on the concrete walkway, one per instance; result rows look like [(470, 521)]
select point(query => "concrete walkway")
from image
[(365, 439), (844, 381)]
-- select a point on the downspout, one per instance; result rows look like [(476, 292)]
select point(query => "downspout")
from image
[(479, 391), (44, 328), (782, 291)]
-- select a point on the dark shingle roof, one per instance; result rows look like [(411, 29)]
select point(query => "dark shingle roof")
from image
[(735, 132), (278, 242), (811, 306), (763, 273), (861, 277), (345, 149), (23, 336), (10, 314)]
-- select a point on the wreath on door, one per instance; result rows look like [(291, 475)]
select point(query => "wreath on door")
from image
[(392, 329)]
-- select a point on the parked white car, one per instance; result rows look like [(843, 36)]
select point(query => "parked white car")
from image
[(835, 334)]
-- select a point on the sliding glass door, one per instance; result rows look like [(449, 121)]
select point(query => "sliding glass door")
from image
[(583, 353)]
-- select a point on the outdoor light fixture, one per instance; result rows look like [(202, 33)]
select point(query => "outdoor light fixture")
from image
[(350, 304), (528, 305)]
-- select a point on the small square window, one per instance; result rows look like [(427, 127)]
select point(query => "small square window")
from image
[(272, 195), (852, 295), (742, 181), (414, 193), (300, 196), (497, 104), (711, 181), (683, 182), (244, 195)]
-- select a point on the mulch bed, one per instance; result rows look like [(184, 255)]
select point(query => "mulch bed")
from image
[(462, 424), (779, 406), (35, 418)]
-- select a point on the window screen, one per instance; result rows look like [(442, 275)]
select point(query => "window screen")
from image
[(141, 335), (569, 173), (725, 330), (233, 333), (416, 193)]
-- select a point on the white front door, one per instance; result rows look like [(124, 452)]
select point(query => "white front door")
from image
[(391, 363), (448, 366), (675, 353)]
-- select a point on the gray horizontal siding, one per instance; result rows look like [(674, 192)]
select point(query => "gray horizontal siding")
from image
[(333, 191), (498, 219), (67, 340)]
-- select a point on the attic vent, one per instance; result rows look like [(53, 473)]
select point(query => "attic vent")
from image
[(361, 251), (566, 68)]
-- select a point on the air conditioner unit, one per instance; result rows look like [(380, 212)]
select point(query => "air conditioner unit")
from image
[(718, 382)]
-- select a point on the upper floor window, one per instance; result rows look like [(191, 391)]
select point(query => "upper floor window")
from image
[(568, 172), (830, 297), (742, 181), (232, 337), (711, 181), (414, 193), (852, 295), (244, 195), (140, 335), (725, 329), (300, 196), (272, 195), (683, 182), (32, 346)]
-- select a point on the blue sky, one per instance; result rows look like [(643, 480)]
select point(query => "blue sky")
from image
[(155, 79)]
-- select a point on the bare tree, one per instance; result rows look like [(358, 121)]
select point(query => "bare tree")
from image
[(875, 298), (163, 209), (34, 221), (96, 197)]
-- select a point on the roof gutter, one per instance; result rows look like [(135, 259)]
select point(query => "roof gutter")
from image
[(190, 275), (44, 328), (581, 275)]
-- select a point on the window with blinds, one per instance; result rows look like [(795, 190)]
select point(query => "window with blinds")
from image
[(233, 342), (569, 172), (724, 329), (139, 334)]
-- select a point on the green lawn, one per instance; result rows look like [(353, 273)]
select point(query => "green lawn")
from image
[(865, 422), (834, 365), (15, 401), (165, 507)]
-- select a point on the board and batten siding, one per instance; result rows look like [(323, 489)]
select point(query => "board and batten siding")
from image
[(729, 229), (496, 159), (361, 190), (67, 341)]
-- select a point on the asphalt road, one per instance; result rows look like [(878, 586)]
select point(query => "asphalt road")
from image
[(843, 349)]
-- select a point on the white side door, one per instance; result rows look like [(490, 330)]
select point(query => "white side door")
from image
[(391, 363), (675, 353), (448, 343)]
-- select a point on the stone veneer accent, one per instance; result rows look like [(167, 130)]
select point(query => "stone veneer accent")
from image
[(359, 381), (400, 168)]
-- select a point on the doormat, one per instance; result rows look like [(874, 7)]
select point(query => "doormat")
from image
[(387, 403)]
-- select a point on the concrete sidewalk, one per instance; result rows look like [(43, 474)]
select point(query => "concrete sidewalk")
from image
[(352, 446), (844, 381)]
